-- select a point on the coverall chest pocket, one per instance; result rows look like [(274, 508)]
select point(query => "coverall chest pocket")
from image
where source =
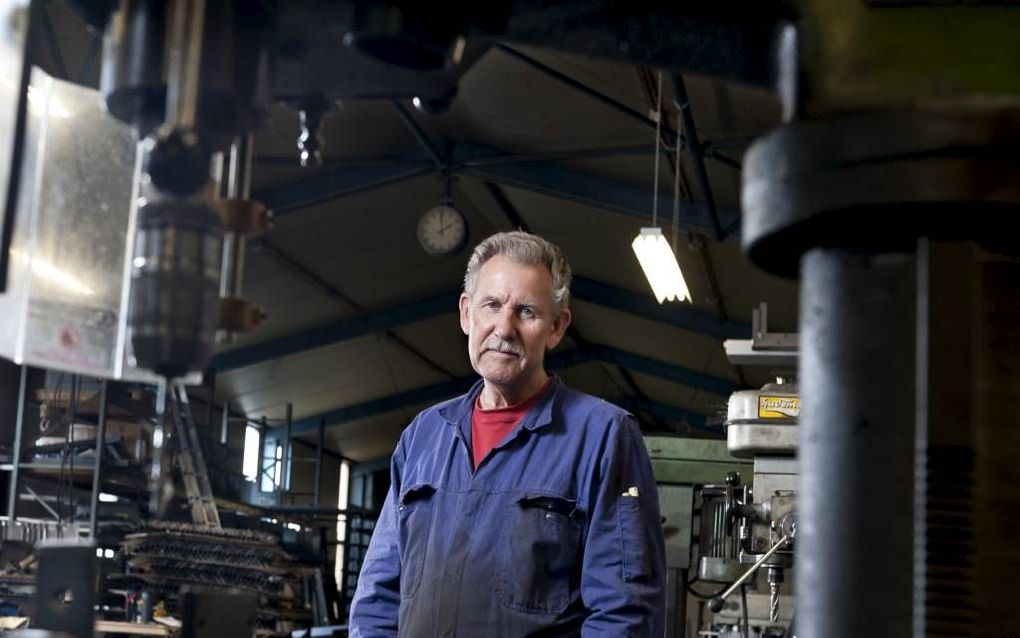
[(540, 554), (414, 511)]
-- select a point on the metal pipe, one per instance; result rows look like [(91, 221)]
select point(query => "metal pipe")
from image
[(19, 423), (857, 369), (694, 151), (98, 464), (318, 461), (184, 57)]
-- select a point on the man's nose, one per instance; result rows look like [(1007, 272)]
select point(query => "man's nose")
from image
[(505, 327)]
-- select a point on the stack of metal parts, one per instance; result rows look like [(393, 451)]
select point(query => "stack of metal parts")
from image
[(168, 556)]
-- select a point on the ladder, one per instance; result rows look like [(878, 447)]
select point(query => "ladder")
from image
[(191, 462)]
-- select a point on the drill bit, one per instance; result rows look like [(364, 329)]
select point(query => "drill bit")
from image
[(773, 602)]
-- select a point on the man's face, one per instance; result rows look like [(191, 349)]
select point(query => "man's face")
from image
[(511, 320)]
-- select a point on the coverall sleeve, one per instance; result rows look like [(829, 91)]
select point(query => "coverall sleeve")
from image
[(623, 574), (376, 603)]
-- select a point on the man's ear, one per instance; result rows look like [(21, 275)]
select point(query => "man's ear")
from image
[(465, 313), (560, 326)]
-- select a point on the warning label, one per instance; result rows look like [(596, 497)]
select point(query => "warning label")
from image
[(778, 407)]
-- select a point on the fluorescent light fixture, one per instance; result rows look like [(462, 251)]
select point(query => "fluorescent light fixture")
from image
[(660, 266), (107, 498)]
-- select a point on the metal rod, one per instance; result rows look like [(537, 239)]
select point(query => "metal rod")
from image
[(234, 243), (718, 600), (97, 467), (858, 409), (423, 139), (184, 57), (318, 461), (38, 499), (225, 424), (587, 90), (19, 423), (287, 448), (694, 151)]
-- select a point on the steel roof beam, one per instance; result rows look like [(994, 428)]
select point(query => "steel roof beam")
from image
[(333, 184), (335, 332), (555, 361), (677, 316)]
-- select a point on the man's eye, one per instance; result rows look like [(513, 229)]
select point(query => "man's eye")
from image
[(490, 304), (527, 312)]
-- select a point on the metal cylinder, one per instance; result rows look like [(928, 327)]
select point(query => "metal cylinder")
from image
[(855, 536), (238, 187), (174, 281)]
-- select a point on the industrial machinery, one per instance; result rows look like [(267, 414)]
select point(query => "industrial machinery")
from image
[(731, 507), (748, 531)]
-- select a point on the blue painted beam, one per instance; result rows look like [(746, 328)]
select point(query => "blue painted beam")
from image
[(676, 415), (667, 371), (645, 306), (555, 361), (337, 182), (582, 288), (597, 192), (335, 332), (544, 177), (428, 394)]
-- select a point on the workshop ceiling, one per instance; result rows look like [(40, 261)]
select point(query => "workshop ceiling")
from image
[(362, 327)]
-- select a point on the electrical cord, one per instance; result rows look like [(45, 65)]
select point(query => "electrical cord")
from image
[(690, 590), (743, 605)]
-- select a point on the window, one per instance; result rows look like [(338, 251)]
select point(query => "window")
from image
[(252, 440), (278, 467), (341, 522), (272, 465)]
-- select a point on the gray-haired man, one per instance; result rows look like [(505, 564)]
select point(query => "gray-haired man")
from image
[(522, 507)]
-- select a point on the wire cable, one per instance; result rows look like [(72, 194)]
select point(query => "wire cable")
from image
[(743, 605), (690, 590), (658, 143)]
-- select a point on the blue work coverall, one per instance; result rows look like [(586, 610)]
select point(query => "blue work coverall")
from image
[(556, 533)]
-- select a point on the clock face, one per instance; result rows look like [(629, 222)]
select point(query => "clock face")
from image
[(442, 230)]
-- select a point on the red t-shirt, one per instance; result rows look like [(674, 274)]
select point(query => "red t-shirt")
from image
[(490, 427)]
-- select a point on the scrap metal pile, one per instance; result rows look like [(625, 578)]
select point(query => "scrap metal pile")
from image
[(168, 556)]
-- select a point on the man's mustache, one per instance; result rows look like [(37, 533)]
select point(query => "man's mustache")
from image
[(502, 345)]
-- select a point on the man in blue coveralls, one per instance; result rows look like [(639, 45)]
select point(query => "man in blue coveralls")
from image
[(522, 508)]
